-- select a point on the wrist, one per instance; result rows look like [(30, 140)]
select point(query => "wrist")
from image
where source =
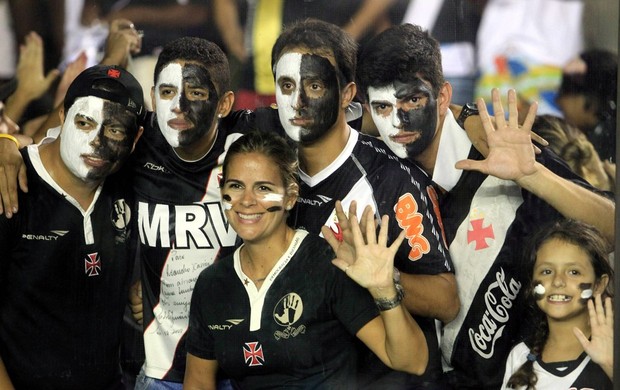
[(391, 301)]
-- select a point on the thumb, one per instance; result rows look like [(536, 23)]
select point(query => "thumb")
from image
[(470, 165), (583, 340)]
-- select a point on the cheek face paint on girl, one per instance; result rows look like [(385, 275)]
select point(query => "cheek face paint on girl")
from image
[(226, 202), (586, 292), (274, 198), (76, 143), (539, 290), (170, 76), (422, 119)]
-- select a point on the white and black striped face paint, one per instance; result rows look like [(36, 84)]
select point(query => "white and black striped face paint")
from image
[(308, 95), (96, 138), (406, 116), (185, 101)]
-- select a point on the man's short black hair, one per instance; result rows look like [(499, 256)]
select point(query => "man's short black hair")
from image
[(321, 38), (400, 53), (203, 52)]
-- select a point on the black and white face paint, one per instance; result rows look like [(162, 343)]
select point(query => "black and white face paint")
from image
[(308, 95), (96, 138), (405, 115), (186, 101)]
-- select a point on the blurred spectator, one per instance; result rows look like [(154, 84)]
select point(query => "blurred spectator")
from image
[(587, 98), (454, 23), (7, 43), (573, 146), (524, 44), (600, 24), (248, 42)]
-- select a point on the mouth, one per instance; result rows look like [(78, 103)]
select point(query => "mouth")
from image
[(559, 298), (301, 122), (94, 161), (179, 124), (249, 218), (405, 137)]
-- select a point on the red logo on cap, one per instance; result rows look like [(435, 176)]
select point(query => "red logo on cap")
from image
[(114, 73)]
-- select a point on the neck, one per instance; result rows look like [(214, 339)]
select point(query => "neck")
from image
[(258, 258), (82, 191), (315, 157), (561, 344)]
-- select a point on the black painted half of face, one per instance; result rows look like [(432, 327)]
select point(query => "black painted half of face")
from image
[(319, 96), (198, 102), (417, 112), (115, 139)]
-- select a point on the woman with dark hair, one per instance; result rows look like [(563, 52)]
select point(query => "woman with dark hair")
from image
[(570, 293), (283, 311)]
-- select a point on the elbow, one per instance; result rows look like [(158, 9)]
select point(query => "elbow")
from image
[(418, 363), (452, 309)]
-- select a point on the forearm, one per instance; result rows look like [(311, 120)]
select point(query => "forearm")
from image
[(366, 16), (16, 105), (433, 296), (405, 344), (200, 373), (564, 196), (226, 17)]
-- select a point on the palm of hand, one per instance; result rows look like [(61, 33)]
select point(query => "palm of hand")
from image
[(511, 155), (373, 266)]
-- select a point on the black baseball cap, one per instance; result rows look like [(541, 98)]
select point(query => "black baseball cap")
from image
[(85, 84)]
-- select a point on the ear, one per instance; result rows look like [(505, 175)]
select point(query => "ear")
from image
[(444, 98), (138, 135), (347, 95), (153, 98), (61, 115), (601, 285), (292, 192), (225, 104)]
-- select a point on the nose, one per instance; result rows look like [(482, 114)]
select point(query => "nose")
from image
[(558, 280), (96, 137), (248, 198), (297, 100), (175, 105), (396, 122)]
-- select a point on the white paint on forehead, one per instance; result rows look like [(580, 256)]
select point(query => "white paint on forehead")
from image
[(273, 198), (289, 65), (387, 125), (171, 74), (75, 142)]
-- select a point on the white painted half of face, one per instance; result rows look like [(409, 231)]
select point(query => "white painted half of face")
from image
[(289, 66), (387, 125), (74, 142), (172, 75)]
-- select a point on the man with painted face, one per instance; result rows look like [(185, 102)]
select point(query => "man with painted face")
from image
[(490, 205), (67, 256), (314, 67), (181, 224)]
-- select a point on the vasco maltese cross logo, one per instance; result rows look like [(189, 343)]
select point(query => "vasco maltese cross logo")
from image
[(92, 264), (253, 354)]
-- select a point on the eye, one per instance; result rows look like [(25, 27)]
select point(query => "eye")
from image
[(574, 272), (545, 272), (316, 86), (84, 124), (234, 186), (166, 92), (264, 188), (117, 133), (382, 109), (286, 86), (197, 94)]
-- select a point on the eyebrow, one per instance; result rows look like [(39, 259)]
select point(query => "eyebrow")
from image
[(88, 118)]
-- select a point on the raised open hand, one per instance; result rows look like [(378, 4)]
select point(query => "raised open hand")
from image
[(511, 154), (600, 346), (373, 266)]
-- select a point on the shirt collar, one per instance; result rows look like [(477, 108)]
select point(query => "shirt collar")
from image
[(454, 145)]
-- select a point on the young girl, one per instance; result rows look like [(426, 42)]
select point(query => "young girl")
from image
[(572, 344)]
